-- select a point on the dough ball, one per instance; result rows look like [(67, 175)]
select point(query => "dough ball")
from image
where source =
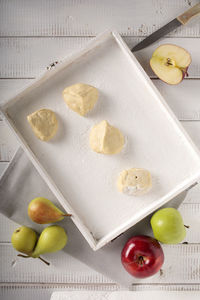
[(43, 123), (134, 182), (81, 97), (106, 139)]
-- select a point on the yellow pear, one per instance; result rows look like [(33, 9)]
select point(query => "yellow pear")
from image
[(24, 239), (43, 211), (52, 239)]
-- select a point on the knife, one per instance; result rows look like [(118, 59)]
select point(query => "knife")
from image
[(181, 20)]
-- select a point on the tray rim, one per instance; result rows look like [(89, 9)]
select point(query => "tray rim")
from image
[(97, 244)]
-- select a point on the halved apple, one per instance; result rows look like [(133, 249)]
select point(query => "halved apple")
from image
[(170, 63)]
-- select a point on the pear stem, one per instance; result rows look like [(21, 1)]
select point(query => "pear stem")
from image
[(67, 215), (46, 262), (24, 256), (186, 226), (27, 256)]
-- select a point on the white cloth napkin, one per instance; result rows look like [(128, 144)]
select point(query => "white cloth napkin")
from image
[(21, 182), (125, 295)]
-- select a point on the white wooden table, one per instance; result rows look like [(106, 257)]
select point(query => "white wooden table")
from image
[(33, 34)]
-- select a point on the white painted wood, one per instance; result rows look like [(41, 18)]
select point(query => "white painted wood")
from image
[(8, 143), (181, 266), (183, 99), (193, 196), (20, 58), (88, 18), (10, 87), (24, 293), (63, 269), (3, 166), (44, 291), (7, 227), (193, 129), (184, 103), (128, 295), (191, 216), (7, 287), (29, 57)]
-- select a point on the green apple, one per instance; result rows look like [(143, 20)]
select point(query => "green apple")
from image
[(167, 225)]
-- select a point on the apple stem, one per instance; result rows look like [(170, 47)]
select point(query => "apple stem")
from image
[(67, 215), (185, 71), (46, 262), (186, 226), (141, 260)]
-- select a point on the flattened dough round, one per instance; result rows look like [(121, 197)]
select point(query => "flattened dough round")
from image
[(43, 123), (106, 139), (81, 97), (134, 182)]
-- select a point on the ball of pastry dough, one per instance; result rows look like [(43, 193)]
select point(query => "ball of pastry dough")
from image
[(134, 182), (81, 97), (43, 123), (106, 139)]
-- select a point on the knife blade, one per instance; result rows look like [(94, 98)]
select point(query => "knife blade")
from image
[(180, 20)]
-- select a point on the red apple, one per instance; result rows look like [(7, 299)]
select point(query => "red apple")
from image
[(170, 63), (142, 256)]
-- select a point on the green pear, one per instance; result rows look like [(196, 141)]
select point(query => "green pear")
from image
[(24, 239), (167, 225), (52, 239), (43, 211)]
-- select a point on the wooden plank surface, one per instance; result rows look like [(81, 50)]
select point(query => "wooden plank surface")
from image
[(89, 17), (62, 269), (33, 34), (29, 57), (41, 291), (181, 266), (3, 166), (8, 143)]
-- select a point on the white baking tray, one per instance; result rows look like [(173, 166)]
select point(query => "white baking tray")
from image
[(84, 181)]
